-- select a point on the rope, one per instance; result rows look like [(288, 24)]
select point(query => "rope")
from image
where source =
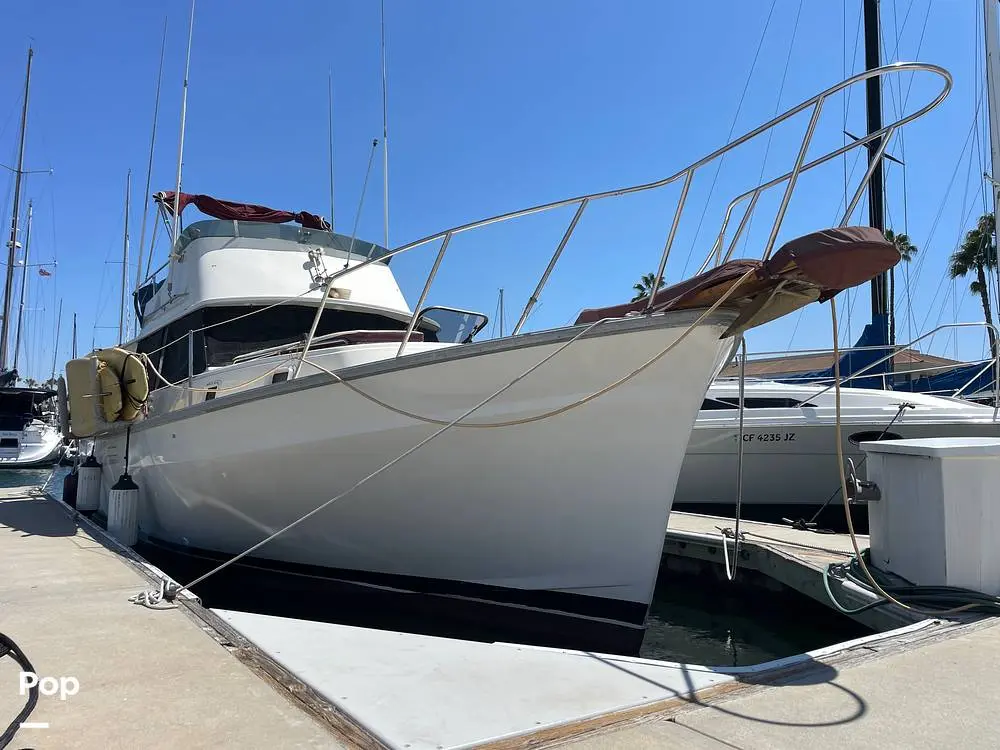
[(218, 389), (393, 462), (843, 490), (154, 599), (466, 414), (737, 537), (562, 409), (807, 525)]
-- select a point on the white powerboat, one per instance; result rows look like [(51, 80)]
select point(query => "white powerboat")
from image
[(789, 440), (280, 384), (29, 439)]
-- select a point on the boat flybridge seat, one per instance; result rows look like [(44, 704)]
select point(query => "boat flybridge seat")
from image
[(811, 268)]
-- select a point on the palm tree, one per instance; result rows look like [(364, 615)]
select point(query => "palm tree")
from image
[(644, 287), (906, 252), (978, 254)]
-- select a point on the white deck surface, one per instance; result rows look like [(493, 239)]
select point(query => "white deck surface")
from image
[(416, 691)]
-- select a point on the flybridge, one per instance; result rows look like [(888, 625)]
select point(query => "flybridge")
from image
[(221, 209)]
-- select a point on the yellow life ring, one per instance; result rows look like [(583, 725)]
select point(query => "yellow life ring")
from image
[(133, 382), (109, 385), (110, 392)]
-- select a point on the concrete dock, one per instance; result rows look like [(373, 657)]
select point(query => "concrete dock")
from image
[(147, 679), (191, 677)]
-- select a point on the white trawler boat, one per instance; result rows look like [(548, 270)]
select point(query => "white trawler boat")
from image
[(291, 384)]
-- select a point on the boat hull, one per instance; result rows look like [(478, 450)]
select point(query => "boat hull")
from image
[(34, 450), (574, 505), (792, 464)]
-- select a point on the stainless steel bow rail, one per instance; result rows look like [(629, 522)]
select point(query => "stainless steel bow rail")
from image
[(751, 197)]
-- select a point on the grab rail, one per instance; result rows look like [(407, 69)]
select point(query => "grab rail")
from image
[(816, 102)]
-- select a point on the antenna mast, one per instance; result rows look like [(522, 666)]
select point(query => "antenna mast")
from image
[(993, 109), (333, 225), (24, 280), (121, 309), (149, 167), (175, 227), (385, 140), (74, 336), (12, 245), (55, 347)]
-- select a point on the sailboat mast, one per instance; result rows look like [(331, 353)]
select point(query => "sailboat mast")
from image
[(175, 229), (333, 225), (121, 309), (149, 166), (24, 283), (993, 100), (55, 346), (385, 139), (12, 245), (876, 207)]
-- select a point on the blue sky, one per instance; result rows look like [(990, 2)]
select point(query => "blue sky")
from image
[(492, 107)]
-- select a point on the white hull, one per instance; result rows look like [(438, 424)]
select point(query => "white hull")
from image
[(38, 446), (790, 454), (573, 504)]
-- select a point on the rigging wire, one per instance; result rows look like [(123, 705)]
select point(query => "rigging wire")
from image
[(911, 321), (149, 167), (963, 222), (729, 137), (940, 212), (777, 108)]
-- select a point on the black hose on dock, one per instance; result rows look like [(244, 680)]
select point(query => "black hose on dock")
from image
[(917, 596)]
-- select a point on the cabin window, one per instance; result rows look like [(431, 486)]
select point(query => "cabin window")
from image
[(284, 324), (710, 404), (151, 345), (174, 364), (756, 402)]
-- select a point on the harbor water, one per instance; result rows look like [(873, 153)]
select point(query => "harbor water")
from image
[(693, 618)]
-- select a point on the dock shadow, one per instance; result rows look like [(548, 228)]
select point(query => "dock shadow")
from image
[(802, 672), (35, 516)]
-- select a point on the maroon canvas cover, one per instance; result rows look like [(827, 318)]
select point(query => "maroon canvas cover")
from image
[(835, 259), (831, 260), (220, 209)]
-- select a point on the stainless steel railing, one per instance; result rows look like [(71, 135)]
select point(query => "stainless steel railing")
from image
[(882, 136)]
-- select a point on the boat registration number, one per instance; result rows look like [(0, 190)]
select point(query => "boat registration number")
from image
[(768, 437)]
